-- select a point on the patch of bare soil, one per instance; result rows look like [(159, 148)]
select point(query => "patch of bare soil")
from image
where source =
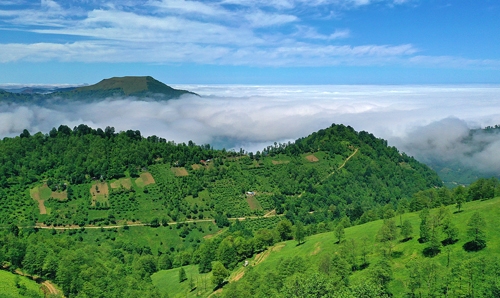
[(260, 257), (147, 178), (180, 172), (41, 206), (237, 276), (253, 203), (312, 158), (99, 188)]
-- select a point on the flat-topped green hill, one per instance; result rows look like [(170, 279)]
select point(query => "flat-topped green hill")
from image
[(126, 86), (134, 86)]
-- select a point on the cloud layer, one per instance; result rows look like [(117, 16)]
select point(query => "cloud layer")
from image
[(428, 122)]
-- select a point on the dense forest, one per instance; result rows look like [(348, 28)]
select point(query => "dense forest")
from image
[(99, 211)]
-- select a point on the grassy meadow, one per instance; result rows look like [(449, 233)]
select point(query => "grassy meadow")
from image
[(403, 253), (13, 286)]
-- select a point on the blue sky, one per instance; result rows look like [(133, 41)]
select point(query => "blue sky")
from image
[(251, 42)]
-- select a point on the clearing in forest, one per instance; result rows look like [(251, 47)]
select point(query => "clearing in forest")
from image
[(253, 203), (312, 158), (124, 182), (144, 179), (196, 166), (280, 162), (180, 172), (41, 194), (99, 192), (35, 195)]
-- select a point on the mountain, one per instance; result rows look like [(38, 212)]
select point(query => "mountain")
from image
[(138, 87)]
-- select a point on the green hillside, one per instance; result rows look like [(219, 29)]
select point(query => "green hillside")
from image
[(116, 214), (13, 286), (83, 176), (453, 270)]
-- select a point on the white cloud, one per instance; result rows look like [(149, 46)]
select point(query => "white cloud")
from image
[(311, 33), (188, 7), (262, 19), (251, 116), (428, 122)]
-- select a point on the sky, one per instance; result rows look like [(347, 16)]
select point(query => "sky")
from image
[(284, 42)]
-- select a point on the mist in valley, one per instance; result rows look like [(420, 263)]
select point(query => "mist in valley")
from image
[(431, 123)]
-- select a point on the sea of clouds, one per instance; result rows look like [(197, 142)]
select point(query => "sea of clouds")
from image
[(428, 122)]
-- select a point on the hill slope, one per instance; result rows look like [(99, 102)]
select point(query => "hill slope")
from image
[(334, 172), (102, 211), (287, 268)]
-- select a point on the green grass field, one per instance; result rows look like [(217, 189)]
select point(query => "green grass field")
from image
[(27, 287), (403, 253), (167, 282)]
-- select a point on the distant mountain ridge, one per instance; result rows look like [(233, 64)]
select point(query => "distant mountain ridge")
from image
[(134, 86)]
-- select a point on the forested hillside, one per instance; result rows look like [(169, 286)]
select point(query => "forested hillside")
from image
[(134, 205), (80, 172)]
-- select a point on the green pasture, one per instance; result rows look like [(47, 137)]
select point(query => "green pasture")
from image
[(167, 282), (13, 286), (403, 252)]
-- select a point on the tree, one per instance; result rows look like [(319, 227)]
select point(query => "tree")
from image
[(284, 229), (434, 244), (450, 230), (407, 230), (424, 226), (387, 234), (226, 253), (299, 232), (219, 273), (381, 273), (388, 231), (325, 264), (339, 232), (459, 194), (182, 274), (475, 232)]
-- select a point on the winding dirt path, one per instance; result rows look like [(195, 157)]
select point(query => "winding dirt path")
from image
[(333, 172), (50, 287)]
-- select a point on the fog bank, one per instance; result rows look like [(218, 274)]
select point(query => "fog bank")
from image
[(425, 121)]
